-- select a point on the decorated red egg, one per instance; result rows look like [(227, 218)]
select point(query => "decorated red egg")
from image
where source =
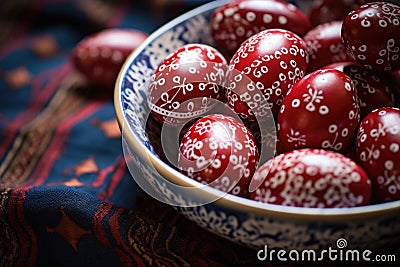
[(323, 11), (378, 151), (186, 83), (219, 151), (264, 68), (325, 46), (100, 56), (313, 178), (373, 89), (234, 22), (371, 34), (320, 111)]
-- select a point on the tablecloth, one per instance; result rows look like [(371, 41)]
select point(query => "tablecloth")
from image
[(66, 197)]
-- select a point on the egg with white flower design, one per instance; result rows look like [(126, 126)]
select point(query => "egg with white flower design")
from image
[(371, 34), (234, 22), (378, 151), (313, 178), (220, 151), (186, 83), (262, 70), (320, 111)]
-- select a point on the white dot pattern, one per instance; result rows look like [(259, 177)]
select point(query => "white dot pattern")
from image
[(378, 151), (312, 178)]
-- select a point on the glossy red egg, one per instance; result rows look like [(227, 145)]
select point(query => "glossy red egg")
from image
[(312, 178), (263, 69), (100, 56), (323, 11), (234, 22), (320, 111), (373, 89), (219, 151), (371, 34), (325, 46), (186, 83), (378, 151)]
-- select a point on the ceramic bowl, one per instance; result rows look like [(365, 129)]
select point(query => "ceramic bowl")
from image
[(240, 220)]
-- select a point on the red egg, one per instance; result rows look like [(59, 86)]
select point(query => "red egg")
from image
[(186, 83), (320, 111), (371, 34), (325, 46), (220, 151), (264, 68), (234, 22), (323, 11), (378, 151), (101, 55), (312, 178), (373, 89)]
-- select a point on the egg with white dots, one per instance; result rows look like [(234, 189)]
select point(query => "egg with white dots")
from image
[(226, 158), (320, 111), (377, 149), (312, 178), (186, 84), (234, 22)]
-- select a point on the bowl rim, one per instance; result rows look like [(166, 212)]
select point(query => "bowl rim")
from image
[(229, 201)]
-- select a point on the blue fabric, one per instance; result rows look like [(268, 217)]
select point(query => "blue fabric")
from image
[(66, 196)]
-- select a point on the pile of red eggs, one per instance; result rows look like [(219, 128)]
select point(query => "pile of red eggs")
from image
[(329, 83)]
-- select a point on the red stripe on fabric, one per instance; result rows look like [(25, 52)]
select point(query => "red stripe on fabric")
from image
[(34, 107), (114, 225), (15, 44), (99, 181), (101, 235), (41, 78), (26, 236), (115, 179), (98, 218), (56, 145)]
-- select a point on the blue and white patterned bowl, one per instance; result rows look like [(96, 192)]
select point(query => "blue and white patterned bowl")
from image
[(240, 220)]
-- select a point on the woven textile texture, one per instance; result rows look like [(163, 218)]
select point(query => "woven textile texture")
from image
[(66, 197)]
